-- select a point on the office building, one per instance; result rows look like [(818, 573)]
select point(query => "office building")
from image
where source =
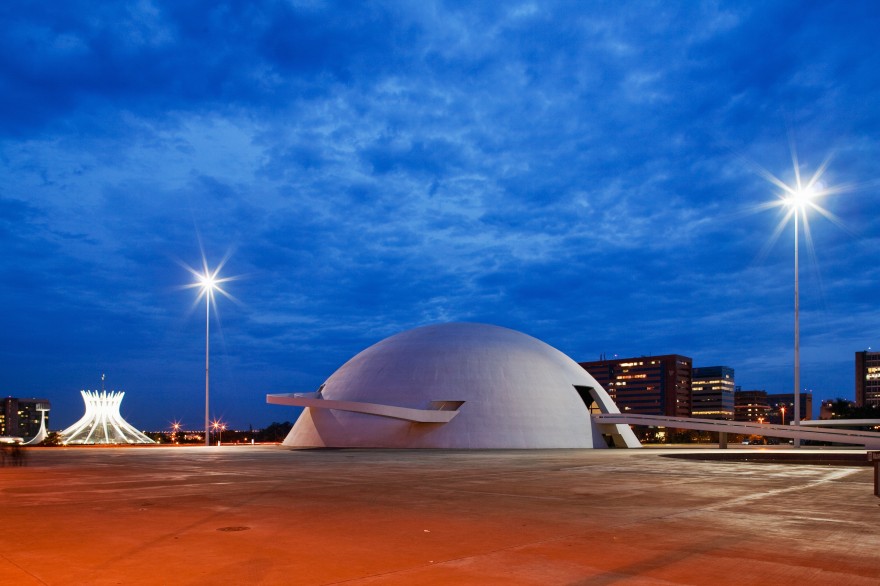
[(751, 406), (648, 385), (712, 392), (867, 379)]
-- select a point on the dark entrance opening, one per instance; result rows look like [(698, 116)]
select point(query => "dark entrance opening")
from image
[(586, 395)]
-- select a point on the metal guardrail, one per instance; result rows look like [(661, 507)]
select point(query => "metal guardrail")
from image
[(874, 458)]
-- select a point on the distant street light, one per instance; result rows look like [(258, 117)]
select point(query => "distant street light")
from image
[(218, 428), (782, 410)]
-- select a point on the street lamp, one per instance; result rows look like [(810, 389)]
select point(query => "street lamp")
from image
[(208, 282), (782, 410), (797, 202), (798, 199)]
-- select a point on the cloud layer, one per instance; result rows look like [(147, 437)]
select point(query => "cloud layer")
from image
[(582, 172)]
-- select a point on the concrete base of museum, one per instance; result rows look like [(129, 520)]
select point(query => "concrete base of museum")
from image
[(270, 515)]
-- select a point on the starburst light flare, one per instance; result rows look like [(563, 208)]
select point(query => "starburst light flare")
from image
[(208, 281)]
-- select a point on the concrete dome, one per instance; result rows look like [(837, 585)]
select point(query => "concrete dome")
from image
[(458, 385)]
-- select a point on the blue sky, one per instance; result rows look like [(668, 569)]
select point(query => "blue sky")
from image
[(585, 172)]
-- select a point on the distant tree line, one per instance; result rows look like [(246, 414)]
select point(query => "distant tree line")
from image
[(274, 432), (843, 409)]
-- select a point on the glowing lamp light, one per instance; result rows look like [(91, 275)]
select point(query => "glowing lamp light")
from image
[(800, 198), (208, 282)]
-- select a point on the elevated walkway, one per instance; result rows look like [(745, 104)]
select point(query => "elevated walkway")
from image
[(841, 422), (869, 439)]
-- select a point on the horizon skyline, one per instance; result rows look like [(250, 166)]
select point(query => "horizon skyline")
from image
[(297, 411), (589, 174)]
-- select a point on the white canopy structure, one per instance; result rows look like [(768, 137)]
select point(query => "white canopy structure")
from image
[(102, 423), (43, 433)]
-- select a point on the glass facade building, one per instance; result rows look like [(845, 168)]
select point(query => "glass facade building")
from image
[(712, 392), (867, 379)]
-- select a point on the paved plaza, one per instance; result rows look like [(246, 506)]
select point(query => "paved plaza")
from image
[(270, 515)]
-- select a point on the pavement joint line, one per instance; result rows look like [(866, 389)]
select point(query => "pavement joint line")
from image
[(313, 483), (22, 570), (573, 535), (840, 521), (830, 477), (834, 476), (161, 538), (509, 548)]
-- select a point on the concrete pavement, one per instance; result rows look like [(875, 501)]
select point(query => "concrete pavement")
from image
[(269, 515)]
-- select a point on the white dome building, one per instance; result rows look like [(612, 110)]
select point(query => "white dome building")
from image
[(456, 386)]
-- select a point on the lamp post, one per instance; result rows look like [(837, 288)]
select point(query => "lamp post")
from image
[(208, 282), (782, 410), (797, 202), (797, 334), (207, 285), (798, 198)]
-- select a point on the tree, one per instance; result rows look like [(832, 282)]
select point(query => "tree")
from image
[(275, 432), (843, 409), (53, 439)]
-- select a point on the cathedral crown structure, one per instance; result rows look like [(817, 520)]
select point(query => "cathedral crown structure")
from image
[(102, 423)]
